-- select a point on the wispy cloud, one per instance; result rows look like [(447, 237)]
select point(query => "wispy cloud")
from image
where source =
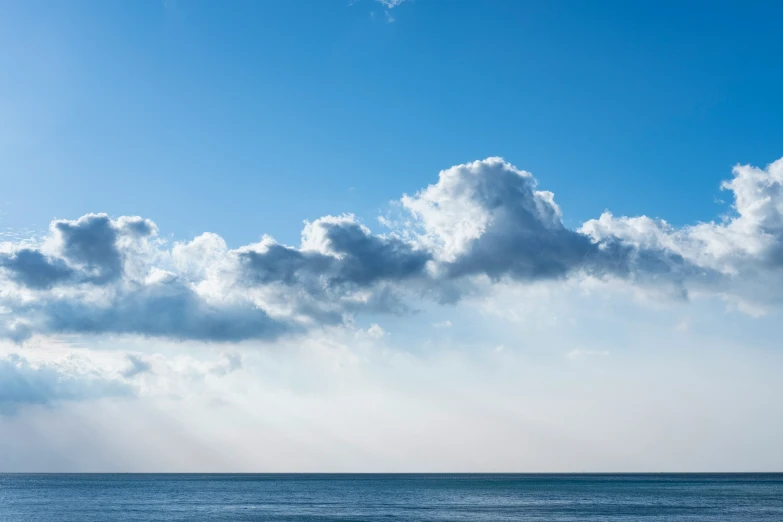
[(390, 4), (579, 353), (388, 7)]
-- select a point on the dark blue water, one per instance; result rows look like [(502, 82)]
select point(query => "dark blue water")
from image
[(745, 497)]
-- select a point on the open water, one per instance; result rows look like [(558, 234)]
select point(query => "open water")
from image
[(316, 497)]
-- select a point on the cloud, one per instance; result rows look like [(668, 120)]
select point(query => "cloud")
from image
[(137, 366), (579, 353), (390, 4), (231, 362), (739, 257), (85, 250), (338, 251), (488, 218), (160, 309), (481, 223), (274, 411), (375, 331), (48, 383), (339, 268), (33, 269)]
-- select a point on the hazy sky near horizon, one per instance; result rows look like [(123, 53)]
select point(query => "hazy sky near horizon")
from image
[(390, 235)]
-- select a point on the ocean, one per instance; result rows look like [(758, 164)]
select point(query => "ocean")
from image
[(406, 497)]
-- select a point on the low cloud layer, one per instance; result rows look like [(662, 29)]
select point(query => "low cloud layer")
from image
[(27, 383), (482, 223)]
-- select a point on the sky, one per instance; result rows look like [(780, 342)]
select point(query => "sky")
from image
[(390, 235)]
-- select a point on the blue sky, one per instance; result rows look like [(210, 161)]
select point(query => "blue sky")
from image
[(385, 235), (247, 119)]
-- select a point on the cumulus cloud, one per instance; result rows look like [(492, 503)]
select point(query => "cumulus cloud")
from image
[(80, 251), (336, 252), (481, 222), (739, 257), (32, 268), (487, 217)]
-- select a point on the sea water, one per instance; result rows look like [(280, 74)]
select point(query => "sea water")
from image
[(354, 497)]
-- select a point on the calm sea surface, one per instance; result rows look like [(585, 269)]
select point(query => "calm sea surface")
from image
[(88, 497)]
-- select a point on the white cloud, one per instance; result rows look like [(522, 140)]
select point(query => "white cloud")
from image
[(481, 224), (47, 383), (331, 402), (390, 4), (524, 380), (744, 251), (375, 331), (579, 353)]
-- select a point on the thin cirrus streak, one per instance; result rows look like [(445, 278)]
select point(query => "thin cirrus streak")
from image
[(481, 223)]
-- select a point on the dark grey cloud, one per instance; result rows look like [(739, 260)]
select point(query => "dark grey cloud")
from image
[(525, 251), (286, 265), (91, 244), (85, 251), (366, 259), (33, 269), (167, 309), (356, 257), (322, 283)]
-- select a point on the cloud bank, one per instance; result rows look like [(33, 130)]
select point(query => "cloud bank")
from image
[(47, 383), (480, 224)]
